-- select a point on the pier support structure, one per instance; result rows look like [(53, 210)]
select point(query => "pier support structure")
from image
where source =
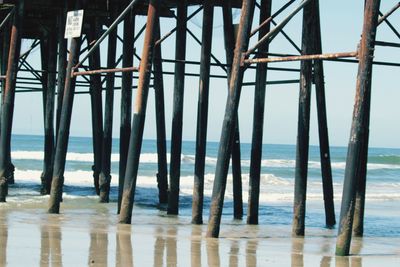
[(202, 113), (96, 103), (258, 121), (65, 122), (136, 137), (162, 175), (229, 123), (303, 128), (358, 144), (126, 99), (49, 95), (8, 101), (177, 113), (105, 173), (229, 42)]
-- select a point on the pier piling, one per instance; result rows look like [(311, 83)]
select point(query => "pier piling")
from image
[(229, 42), (162, 175), (126, 99), (303, 129), (258, 121), (202, 113), (105, 174), (96, 102), (8, 101), (358, 143), (177, 113), (319, 81), (135, 142), (51, 50), (65, 122), (229, 123)]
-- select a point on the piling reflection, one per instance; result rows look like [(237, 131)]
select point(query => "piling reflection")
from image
[(159, 247), (251, 252), (212, 246), (3, 238), (195, 246), (297, 258), (233, 254), (124, 255), (51, 237), (172, 259), (98, 249)]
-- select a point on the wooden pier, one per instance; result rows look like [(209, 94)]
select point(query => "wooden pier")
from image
[(66, 66)]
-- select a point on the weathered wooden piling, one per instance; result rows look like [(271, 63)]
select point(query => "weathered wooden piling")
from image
[(202, 113), (162, 175), (96, 102), (319, 81), (65, 122), (8, 101), (105, 173), (62, 62), (126, 99), (258, 121), (229, 42), (5, 42), (303, 128), (139, 115), (228, 128), (358, 143), (51, 50), (177, 113)]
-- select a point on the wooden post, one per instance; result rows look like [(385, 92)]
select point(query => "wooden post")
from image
[(126, 100), (63, 132), (358, 143), (202, 113), (136, 137), (96, 103), (258, 121), (229, 40), (319, 80), (162, 175), (177, 113), (4, 61), (62, 62), (358, 221), (303, 128), (229, 125), (47, 173), (44, 58), (8, 100), (105, 176)]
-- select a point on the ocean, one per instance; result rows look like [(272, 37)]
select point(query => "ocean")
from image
[(382, 215)]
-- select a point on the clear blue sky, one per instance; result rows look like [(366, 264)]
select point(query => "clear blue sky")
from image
[(341, 23)]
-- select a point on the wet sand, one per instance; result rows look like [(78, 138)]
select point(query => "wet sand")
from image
[(90, 236)]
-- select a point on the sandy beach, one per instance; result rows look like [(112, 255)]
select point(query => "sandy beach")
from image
[(90, 236)]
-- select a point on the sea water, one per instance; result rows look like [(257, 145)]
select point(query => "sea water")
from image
[(382, 217)]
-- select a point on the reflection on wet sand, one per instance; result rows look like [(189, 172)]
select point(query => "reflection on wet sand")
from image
[(98, 249), (233, 254), (251, 252), (3, 239), (172, 258), (164, 245), (212, 246), (51, 251), (195, 246), (297, 252), (124, 254), (159, 247)]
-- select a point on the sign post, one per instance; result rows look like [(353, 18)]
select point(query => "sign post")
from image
[(73, 25)]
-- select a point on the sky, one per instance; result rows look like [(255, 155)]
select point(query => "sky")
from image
[(341, 23)]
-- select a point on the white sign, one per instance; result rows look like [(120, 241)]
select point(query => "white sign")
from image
[(73, 26)]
